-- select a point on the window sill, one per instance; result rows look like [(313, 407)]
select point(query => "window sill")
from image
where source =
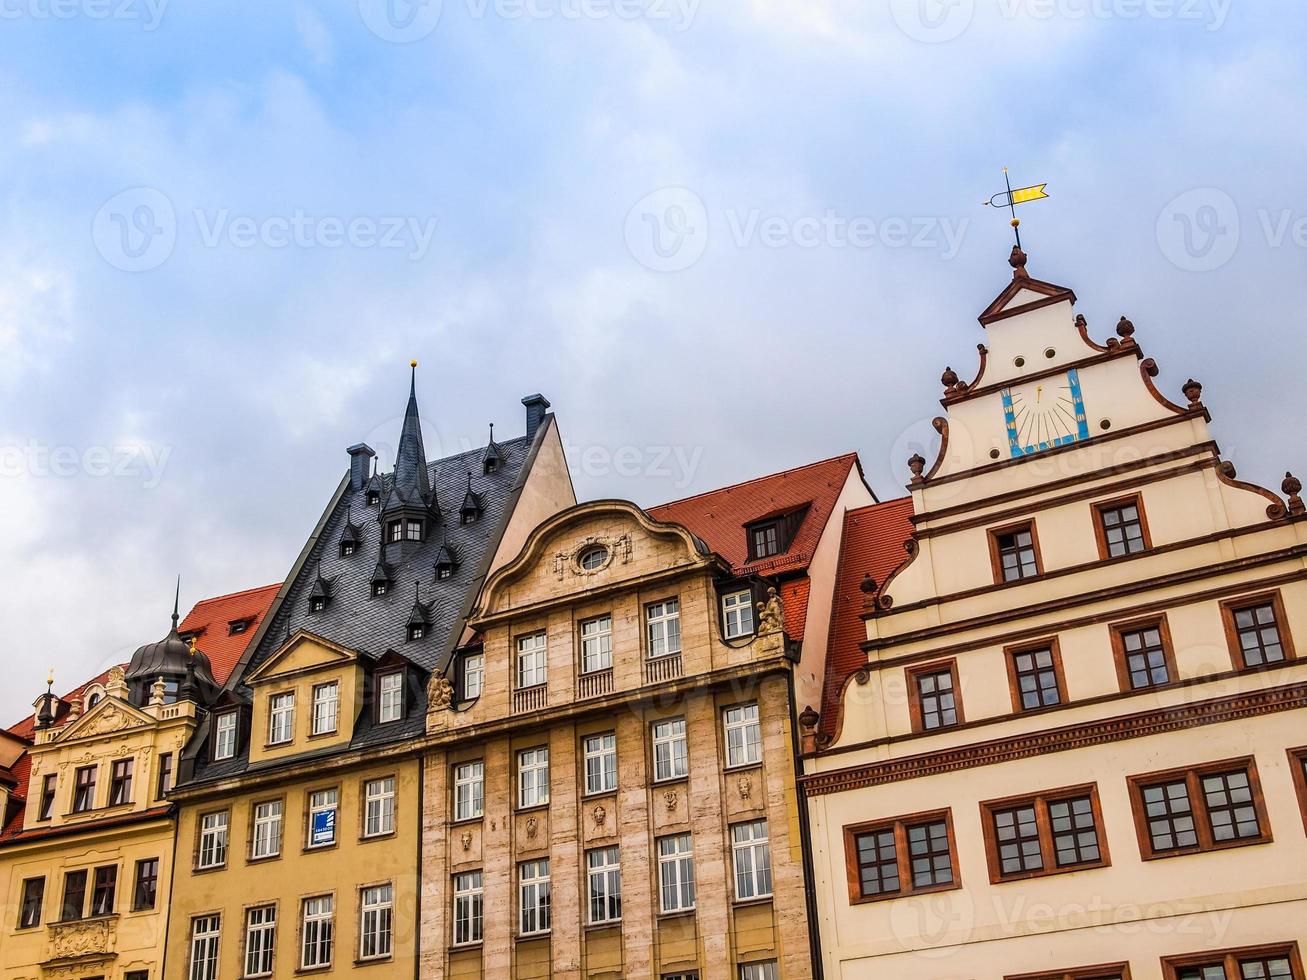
[(209, 869), (315, 848), (528, 937), (318, 736), (375, 960), (467, 821), (1151, 855), (369, 838), (672, 780), (755, 900), (1002, 879), (461, 947), (743, 766), (263, 858), (601, 926), (533, 808), (105, 917), (678, 913), (891, 896), (306, 970)]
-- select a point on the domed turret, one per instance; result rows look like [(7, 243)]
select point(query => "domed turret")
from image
[(186, 671)]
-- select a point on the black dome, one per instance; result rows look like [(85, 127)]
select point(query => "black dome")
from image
[(172, 659)]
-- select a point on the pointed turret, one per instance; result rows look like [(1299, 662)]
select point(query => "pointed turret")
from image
[(471, 508), (412, 485), (493, 458)]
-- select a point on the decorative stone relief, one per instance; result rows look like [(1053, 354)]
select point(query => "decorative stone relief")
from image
[(80, 939), (669, 800), (745, 785), (599, 814), (532, 825), (466, 840)]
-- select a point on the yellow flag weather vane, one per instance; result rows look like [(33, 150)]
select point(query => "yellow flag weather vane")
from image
[(1011, 198)]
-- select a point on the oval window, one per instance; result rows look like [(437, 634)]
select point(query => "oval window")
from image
[(594, 558)]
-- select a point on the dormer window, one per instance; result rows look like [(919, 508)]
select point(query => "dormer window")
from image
[(395, 531), (390, 697), (416, 631), (320, 597), (774, 533), (224, 736), (471, 507), (347, 548), (238, 626), (764, 540), (413, 530), (380, 588), (317, 604), (467, 516), (443, 572), (490, 466), (446, 561), (374, 498)]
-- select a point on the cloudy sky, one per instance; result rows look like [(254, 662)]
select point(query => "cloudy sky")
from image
[(722, 237)]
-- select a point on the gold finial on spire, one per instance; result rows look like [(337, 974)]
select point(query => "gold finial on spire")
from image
[(49, 678), (192, 646), (413, 363)]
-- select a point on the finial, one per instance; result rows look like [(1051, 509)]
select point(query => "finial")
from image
[(413, 363), (1194, 392), (949, 379), (191, 648), (49, 680), (916, 463), (1017, 259), (1124, 328), (1292, 487), (469, 479), (176, 602)]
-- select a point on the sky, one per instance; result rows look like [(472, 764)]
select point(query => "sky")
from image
[(723, 238)]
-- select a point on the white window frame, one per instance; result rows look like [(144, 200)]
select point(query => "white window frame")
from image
[(317, 931), (533, 777), (599, 755), (377, 922), (469, 790), (676, 857), (760, 970), (534, 900), (379, 807), (663, 627), (751, 859), (281, 718), (224, 735), (469, 908), (671, 750), (390, 697), (260, 940), (603, 869), (265, 838), (737, 614), (742, 733), (324, 801), (474, 675), (213, 840), (597, 644), (206, 935), (532, 660), (326, 708)]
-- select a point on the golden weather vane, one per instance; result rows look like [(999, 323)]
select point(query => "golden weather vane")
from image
[(1011, 198)]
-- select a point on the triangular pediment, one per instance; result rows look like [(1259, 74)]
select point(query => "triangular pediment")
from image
[(303, 652), (111, 715), (1023, 294)]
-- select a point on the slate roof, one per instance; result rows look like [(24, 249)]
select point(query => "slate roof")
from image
[(872, 544)]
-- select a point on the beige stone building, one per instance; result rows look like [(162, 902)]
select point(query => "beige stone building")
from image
[(611, 773), (1064, 733)]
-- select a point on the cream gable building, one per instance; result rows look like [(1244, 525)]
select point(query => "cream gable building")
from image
[(1077, 746)]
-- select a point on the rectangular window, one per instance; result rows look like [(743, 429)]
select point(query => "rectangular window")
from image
[(533, 777), (933, 702), (120, 782), (74, 906), (532, 667), (752, 858), (1143, 654), (663, 624), (395, 531), (762, 970), (260, 938), (379, 807), (224, 736), (281, 718), (165, 776), (48, 784), (213, 840), (533, 896), (265, 841), (468, 908), (743, 735), (474, 673), (600, 754), (1035, 675), (469, 790), (1014, 553), (376, 922), (1121, 528), (413, 530), (1060, 830), (901, 856), (1257, 632), (1205, 808), (205, 934), (675, 873), (145, 888), (737, 614), (604, 877), (29, 913), (764, 541), (671, 752), (390, 697), (317, 928), (323, 805), (597, 644), (326, 708), (84, 789), (1279, 961)]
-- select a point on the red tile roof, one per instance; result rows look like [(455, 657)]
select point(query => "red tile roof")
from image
[(872, 544), (719, 516), (211, 619), (794, 604)]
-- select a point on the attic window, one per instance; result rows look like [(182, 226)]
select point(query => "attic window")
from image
[(379, 588), (416, 631), (490, 466), (444, 571), (773, 534), (413, 530), (374, 498), (238, 626), (764, 540), (395, 531), (593, 558), (317, 603), (346, 548)]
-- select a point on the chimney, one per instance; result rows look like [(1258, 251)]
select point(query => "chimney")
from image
[(536, 407), (360, 463)]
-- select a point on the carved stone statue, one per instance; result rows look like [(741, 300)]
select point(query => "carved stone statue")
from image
[(440, 693), (771, 615)]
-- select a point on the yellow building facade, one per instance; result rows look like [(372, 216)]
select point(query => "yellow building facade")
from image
[(1074, 747)]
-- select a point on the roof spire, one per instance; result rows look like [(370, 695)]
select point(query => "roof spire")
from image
[(176, 602), (412, 485)]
